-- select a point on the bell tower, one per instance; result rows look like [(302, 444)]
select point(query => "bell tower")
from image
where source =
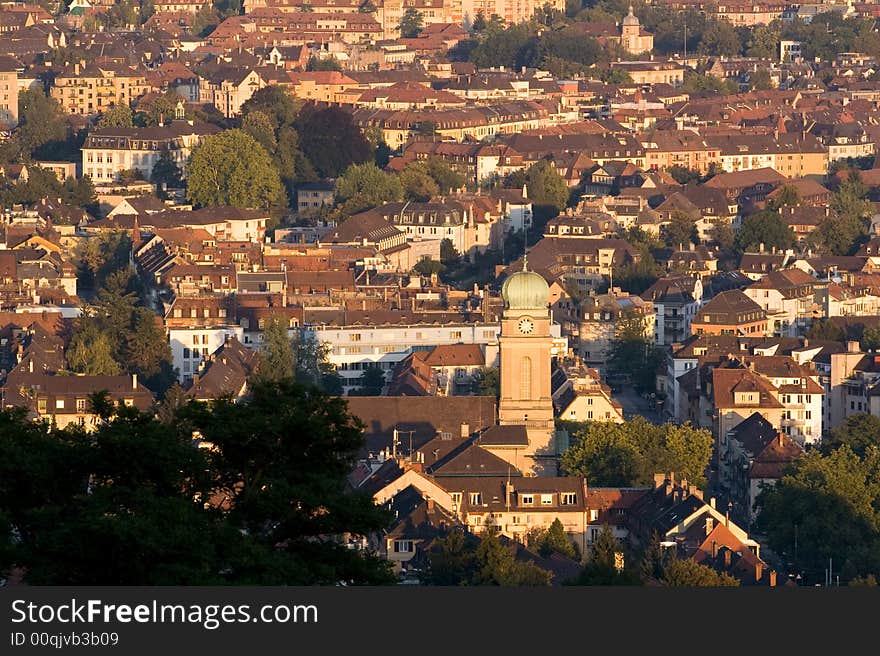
[(525, 345)]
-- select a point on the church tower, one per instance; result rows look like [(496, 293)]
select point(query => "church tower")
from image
[(525, 344)]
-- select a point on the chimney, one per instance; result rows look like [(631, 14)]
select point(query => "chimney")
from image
[(195, 379), (852, 347), (710, 524), (659, 479), (134, 381), (761, 248), (759, 571), (712, 501), (772, 578)]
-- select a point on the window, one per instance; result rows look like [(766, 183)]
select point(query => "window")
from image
[(80, 405), (476, 499), (455, 334), (403, 546), (525, 380), (546, 499), (355, 337), (205, 338), (456, 498), (41, 405), (568, 498), (178, 312), (185, 352), (526, 499), (195, 339), (129, 402), (59, 404), (221, 312), (594, 515)]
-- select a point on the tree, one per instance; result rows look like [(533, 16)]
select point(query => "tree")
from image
[(90, 351), (166, 171), (448, 253), (330, 140), (461, 558), (858, 432), (628, 454), (846, 226), (720, 39), (681, 230), (41, 121), (147, 350), (701, 86), (363, 186), (685, 573), (117, 116), (760, 80), (260, 126), (479, 22), (496, 564), (486, 382), (372, 381), (763, 42), (683, 175), (231, 168), (428, 267), (870, 339), (721, 233), (323, 64), (157, 110), (547, 541), (603, 565), (547, 190), (418, 186), (825, 506), (411, 23), (205, 21), (825, 329), (787, 196), (638, 275), (632, 352), (446, 178), (136, 485), (767, 228), (275, 102), (278, 359)]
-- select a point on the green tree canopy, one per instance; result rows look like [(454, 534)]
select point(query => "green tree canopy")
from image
[(117, 116), (686, 573), (826, 506), (629, 454), (767, 228), (547, 190), (858, 432), (278, 464), (330, 140), (632, 352), (418, 185), (231, 168), (363, 186), (411, 23)]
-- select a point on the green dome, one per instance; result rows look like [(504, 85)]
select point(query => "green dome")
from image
[(525, 290)]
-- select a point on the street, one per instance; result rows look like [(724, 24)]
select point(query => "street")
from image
[(634, 404)]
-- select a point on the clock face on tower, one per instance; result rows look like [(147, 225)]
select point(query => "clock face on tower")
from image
[(526, 326)]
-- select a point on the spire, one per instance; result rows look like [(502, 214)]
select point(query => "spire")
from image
[(525, 262), (630, 10)]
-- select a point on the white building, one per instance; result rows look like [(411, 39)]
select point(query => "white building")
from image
[(109, 151), (191, 345)]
